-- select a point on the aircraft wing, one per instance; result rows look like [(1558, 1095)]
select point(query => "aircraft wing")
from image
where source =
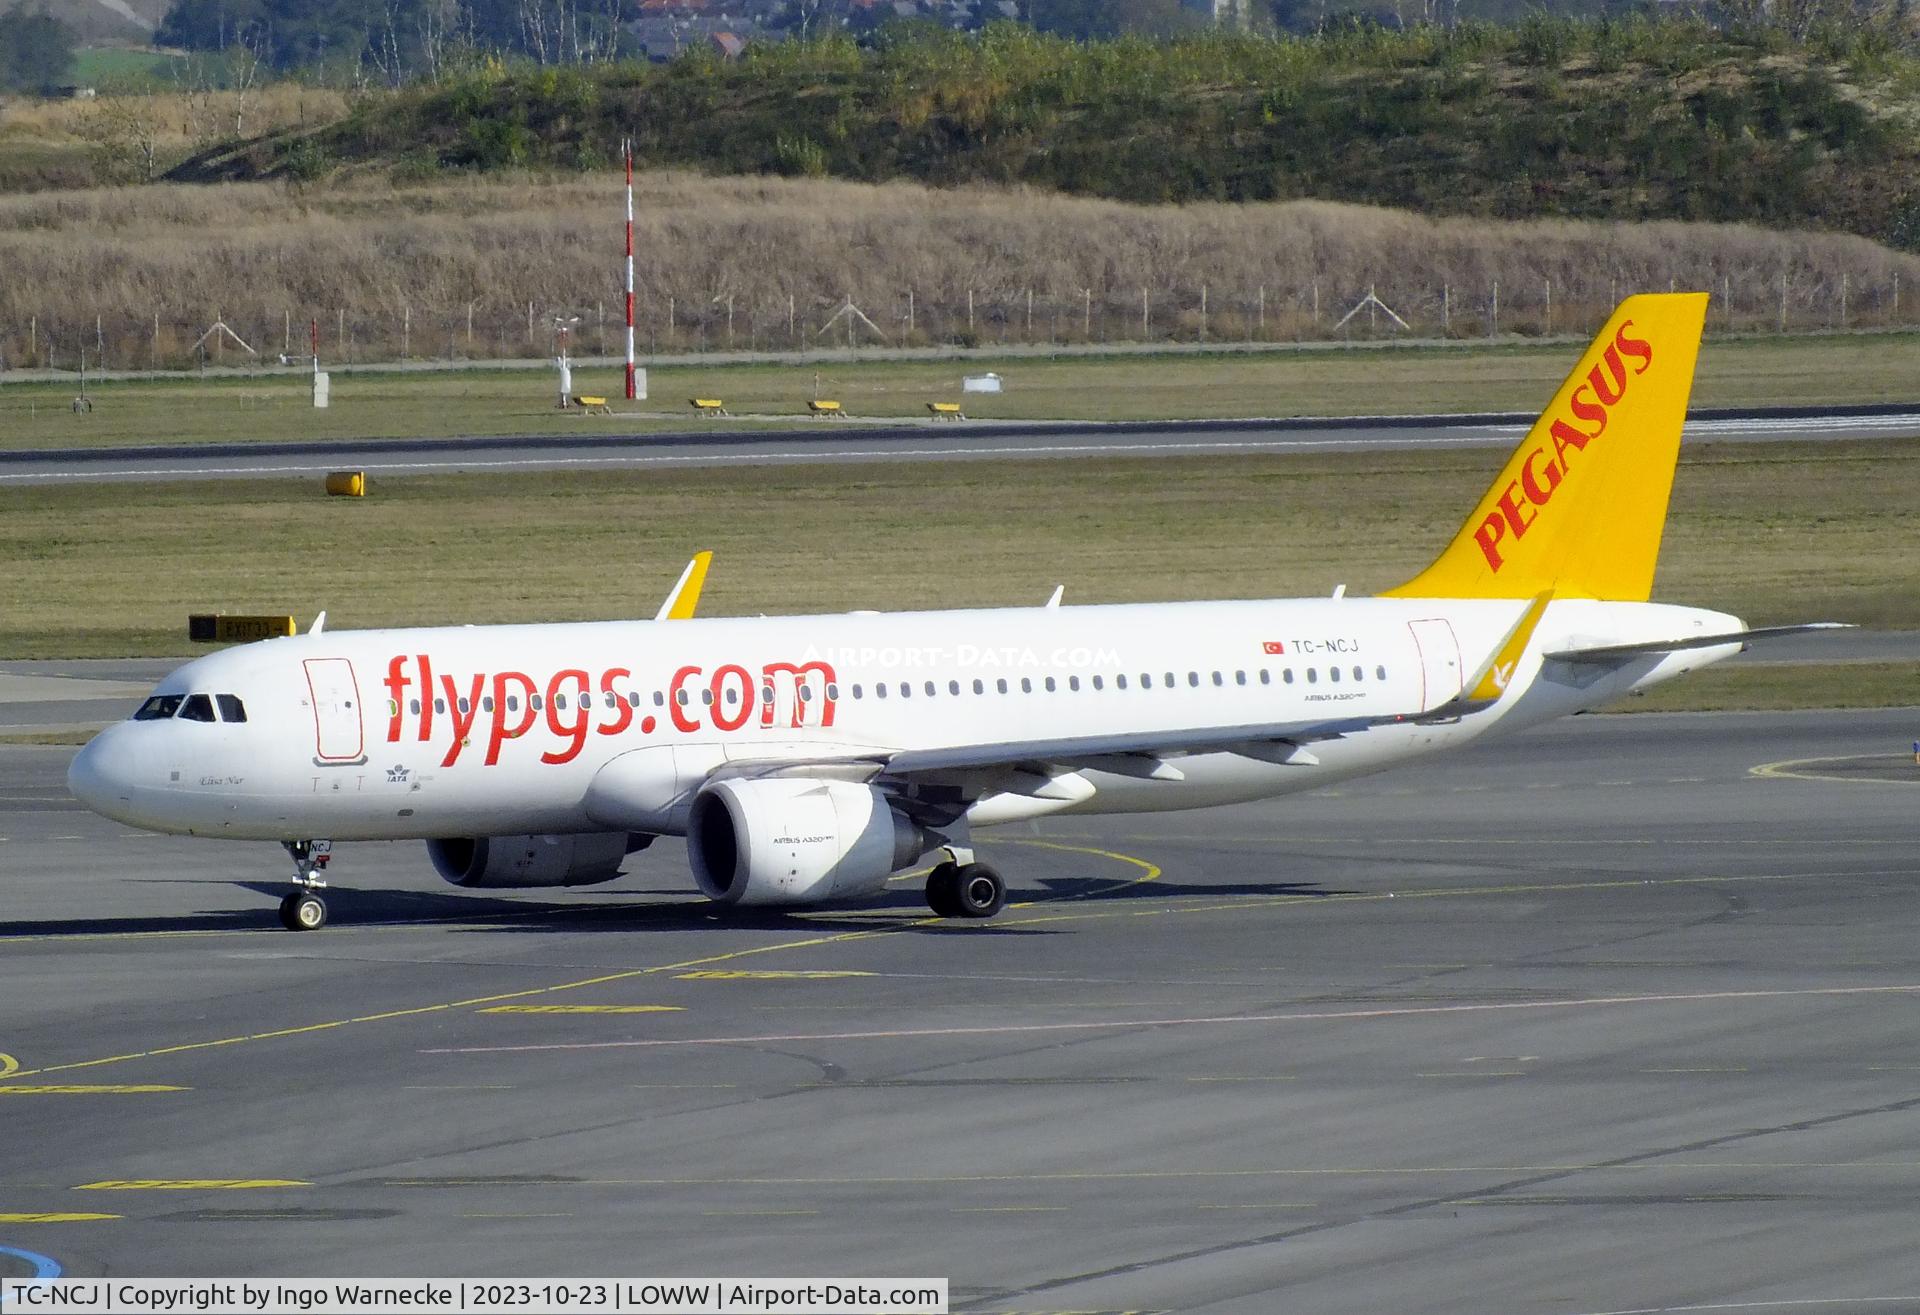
[(1614, 654), (1263, 740), (1139, 753)]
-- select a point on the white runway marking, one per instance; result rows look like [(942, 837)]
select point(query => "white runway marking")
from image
[(1222, 1020)]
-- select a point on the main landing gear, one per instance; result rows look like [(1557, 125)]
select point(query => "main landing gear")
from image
[(961, 888), (303, 909)]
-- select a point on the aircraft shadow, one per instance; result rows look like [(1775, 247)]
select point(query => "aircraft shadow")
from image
[(642, 910)]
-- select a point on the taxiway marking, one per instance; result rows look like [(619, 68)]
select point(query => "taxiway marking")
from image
[(188, 1184), (1217, 1020), (52, 1217), (1035, 916), (581, 1009), (834, 938), (1788, 769), (88, 1090), (44, 1267), (765, 975)]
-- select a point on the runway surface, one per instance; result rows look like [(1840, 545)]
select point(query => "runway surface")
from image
[(784, 441), (1593, 1019)]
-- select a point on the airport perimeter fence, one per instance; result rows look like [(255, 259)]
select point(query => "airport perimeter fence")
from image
[(1026, 317)]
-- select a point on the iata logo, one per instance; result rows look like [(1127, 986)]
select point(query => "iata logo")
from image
[(1543, 471)]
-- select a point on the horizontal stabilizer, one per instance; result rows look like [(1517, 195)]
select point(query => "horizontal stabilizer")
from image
[(1615, 653)]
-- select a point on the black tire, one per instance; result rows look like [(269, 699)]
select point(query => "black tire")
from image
[(978, 891), (303, 911), (943, 891)]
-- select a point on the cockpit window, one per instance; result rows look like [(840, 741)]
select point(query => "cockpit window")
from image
[(159, 707), (232, 709), (198, 707)]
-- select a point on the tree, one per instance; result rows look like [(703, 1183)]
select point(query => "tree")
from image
[(36, 50), (126, 133)]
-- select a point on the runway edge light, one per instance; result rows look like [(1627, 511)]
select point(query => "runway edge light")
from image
[(347, 484)]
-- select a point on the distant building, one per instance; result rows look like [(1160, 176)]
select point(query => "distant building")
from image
[(1235, 14), (728, 44)]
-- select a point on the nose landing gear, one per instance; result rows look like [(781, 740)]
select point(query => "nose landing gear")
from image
[(303, 909)]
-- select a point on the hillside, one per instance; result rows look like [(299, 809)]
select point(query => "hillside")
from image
[(474, 267), (105, 20), (1624, 120)]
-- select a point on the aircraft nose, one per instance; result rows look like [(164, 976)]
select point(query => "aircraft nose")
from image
[(99, 777)]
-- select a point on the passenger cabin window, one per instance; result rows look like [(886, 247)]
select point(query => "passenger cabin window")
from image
[(198, 707), (160, 707), (232, 709)]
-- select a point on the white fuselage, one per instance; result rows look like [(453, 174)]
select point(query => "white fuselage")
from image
[(494, 730)]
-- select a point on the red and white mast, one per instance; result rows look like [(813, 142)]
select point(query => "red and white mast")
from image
[(627, 150)]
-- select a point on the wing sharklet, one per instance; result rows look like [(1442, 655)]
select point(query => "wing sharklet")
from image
[(685, 594)]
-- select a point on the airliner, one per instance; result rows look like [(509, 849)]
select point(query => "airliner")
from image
[(808, 759)]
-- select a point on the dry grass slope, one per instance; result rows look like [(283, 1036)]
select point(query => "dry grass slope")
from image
[(428, 255)]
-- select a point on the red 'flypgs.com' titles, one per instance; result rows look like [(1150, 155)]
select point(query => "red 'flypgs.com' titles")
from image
[(515, 702)]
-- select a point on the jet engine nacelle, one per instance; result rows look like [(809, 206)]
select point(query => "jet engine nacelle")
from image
[(787, 840), (506, 862)]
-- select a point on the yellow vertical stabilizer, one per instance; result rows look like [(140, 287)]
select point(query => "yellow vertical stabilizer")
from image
[(1580, 506)]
